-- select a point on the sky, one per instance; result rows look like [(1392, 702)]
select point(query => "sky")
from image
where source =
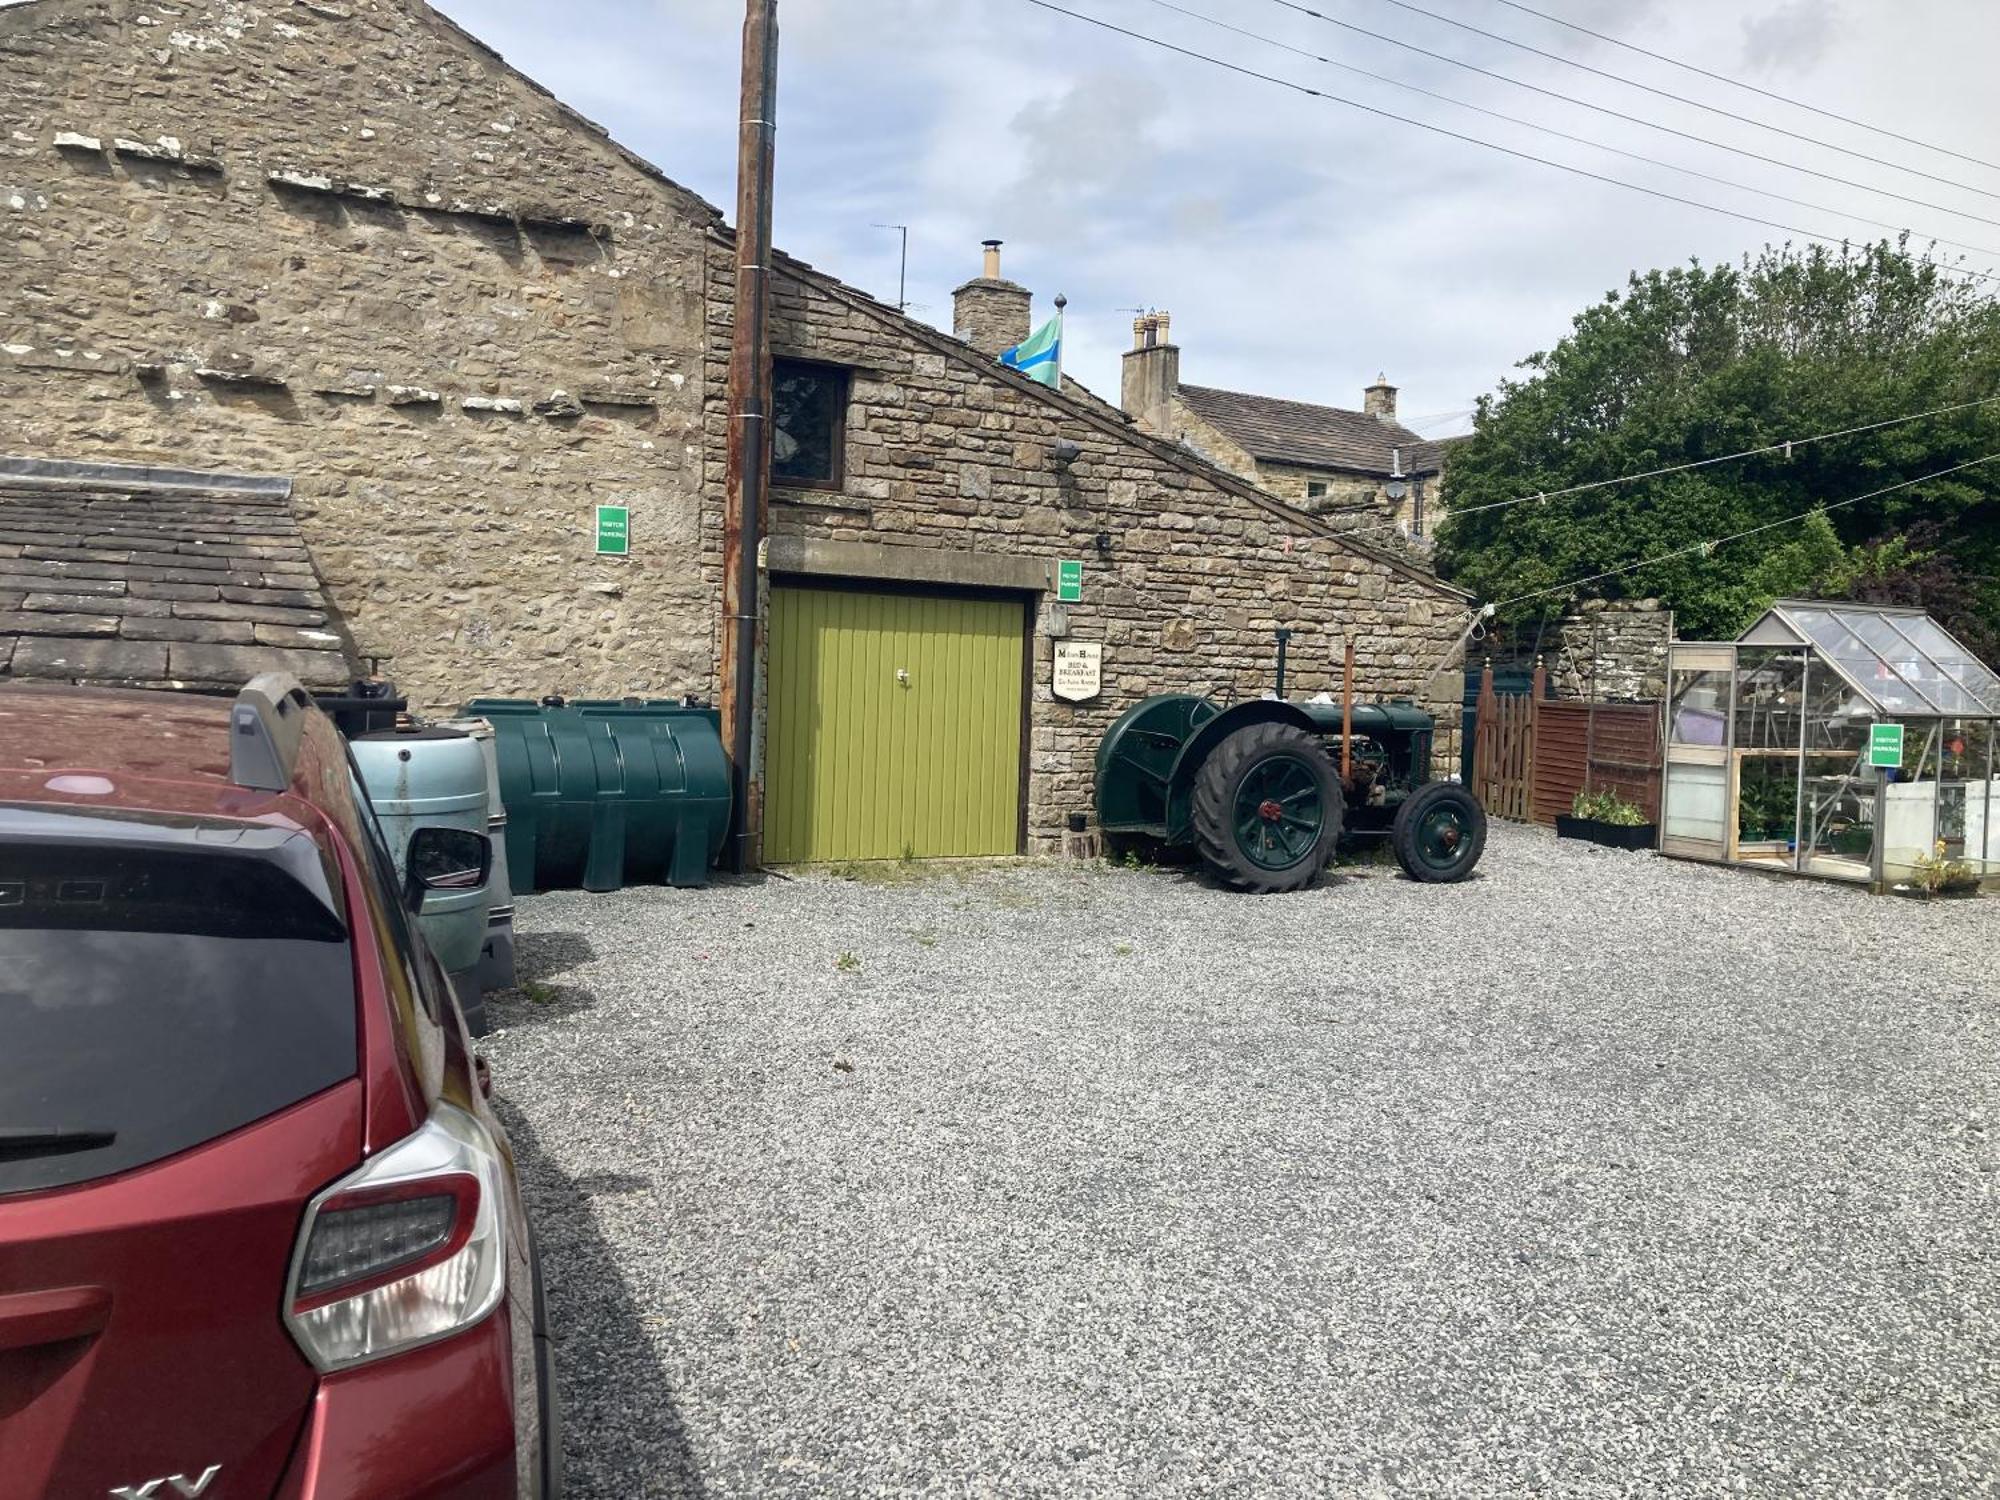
[(1301, 244)]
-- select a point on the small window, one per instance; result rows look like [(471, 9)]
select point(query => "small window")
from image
[(1315, 489), (809, 427)]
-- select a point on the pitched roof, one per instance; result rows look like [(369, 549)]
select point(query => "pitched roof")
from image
[(124, 575), (1297, 432)]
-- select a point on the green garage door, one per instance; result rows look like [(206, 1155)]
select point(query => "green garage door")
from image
[(894, 726)]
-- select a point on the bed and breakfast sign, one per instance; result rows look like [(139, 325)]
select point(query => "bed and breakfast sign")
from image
[(1079, 670)]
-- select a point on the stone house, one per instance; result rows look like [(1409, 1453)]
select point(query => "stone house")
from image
[(1361, 469), (345, 255)]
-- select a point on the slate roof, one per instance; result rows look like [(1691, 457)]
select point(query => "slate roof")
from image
[(120, 575), (1297, 432)]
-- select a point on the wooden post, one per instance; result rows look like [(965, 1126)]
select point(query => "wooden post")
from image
[(749, 403), (1590, 715), (1538, 688)]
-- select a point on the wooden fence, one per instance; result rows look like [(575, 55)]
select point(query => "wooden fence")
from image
[(1534, 754)]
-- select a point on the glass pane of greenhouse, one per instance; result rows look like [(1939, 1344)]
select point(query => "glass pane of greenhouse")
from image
[(1957, 662)]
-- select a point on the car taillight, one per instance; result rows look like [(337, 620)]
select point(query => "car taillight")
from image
[(407, 1249)]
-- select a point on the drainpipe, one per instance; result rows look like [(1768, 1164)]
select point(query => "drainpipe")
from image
[(749, 400)]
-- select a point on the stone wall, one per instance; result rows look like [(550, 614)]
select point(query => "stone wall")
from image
[(346, 244), (947, 451), (1613, 650)]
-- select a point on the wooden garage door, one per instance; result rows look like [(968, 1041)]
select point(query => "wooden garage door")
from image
[(894, 726)]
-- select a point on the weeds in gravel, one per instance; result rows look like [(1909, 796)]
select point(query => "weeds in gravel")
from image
[(537, 992), (848, 963), (1123, 950), (924, 938)]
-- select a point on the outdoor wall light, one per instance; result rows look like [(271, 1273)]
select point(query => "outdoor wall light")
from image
[(1103, 541), (1065, 451)]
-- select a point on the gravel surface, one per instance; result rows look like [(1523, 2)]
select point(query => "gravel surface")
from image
[(1599, 1174)]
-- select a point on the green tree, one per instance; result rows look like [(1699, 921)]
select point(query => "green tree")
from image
[(1697, 362)]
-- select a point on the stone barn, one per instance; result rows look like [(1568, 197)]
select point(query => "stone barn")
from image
[(432, 319)]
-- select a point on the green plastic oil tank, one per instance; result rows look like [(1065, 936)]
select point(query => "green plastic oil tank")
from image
[(608, 793), (418, 777)]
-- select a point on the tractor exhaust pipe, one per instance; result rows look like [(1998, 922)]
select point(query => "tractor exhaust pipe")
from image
[(1284, 635), (1347, 719)]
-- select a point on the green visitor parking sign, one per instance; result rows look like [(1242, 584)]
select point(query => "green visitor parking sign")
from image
[(614, 529), (1069, 580), (1885, 745)]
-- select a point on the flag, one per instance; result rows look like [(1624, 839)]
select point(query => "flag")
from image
[(1039, 355)]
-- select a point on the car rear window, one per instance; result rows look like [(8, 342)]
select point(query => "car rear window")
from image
[(153, 998)]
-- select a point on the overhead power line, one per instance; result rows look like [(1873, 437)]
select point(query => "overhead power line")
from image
[(1784, 446), (1562, 135), (1712, 543), (1714, 109), (1640, 120), (1473, 140), (1908, 140)]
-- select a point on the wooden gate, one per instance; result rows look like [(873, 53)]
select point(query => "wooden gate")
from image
[(1503, 763)]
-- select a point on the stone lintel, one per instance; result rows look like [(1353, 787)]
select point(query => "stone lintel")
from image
[(828, 559)]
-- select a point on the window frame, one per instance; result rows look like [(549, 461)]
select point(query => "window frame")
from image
[(837, 440)]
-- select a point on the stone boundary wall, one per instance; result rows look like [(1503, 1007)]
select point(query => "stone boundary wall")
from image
[(1615, 650)]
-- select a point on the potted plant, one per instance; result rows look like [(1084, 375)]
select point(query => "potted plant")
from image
[(1937, 874), (1608, 819)]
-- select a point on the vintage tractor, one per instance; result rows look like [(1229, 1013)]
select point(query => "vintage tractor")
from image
[(1264, 790)]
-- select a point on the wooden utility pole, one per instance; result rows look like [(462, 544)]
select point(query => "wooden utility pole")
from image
[(746, 507)]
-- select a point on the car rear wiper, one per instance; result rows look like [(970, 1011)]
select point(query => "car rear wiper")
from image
[(20, 1143)]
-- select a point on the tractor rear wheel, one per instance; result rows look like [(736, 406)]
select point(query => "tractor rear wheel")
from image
[(1267, 806), (1439, 833)]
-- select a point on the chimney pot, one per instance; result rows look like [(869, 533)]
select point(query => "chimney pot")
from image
[(1379, 400), (991, 269)]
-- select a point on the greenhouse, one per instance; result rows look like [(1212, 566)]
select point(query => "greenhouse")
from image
[(1845, 741)]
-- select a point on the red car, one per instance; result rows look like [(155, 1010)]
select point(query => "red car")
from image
[(260, 1232)]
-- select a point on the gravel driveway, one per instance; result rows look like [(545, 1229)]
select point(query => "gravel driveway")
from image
[(1599, 1174)]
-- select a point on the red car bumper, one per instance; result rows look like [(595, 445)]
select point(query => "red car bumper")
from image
[(439, 1423)]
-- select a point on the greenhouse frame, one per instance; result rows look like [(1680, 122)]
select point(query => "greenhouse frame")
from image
[(1845, 741)]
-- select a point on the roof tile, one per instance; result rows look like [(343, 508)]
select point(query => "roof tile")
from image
[(117, 580)]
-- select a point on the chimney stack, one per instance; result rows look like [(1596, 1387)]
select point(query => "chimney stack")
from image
[(990, 313), (1152, 375), (1379, 400)]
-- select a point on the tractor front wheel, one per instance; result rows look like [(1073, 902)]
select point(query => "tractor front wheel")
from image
[(1439, 833), (1267, 806)]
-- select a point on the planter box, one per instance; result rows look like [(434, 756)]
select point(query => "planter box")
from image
[(1610, 835)]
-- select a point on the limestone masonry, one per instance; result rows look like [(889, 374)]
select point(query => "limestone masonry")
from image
[(345, 244)]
